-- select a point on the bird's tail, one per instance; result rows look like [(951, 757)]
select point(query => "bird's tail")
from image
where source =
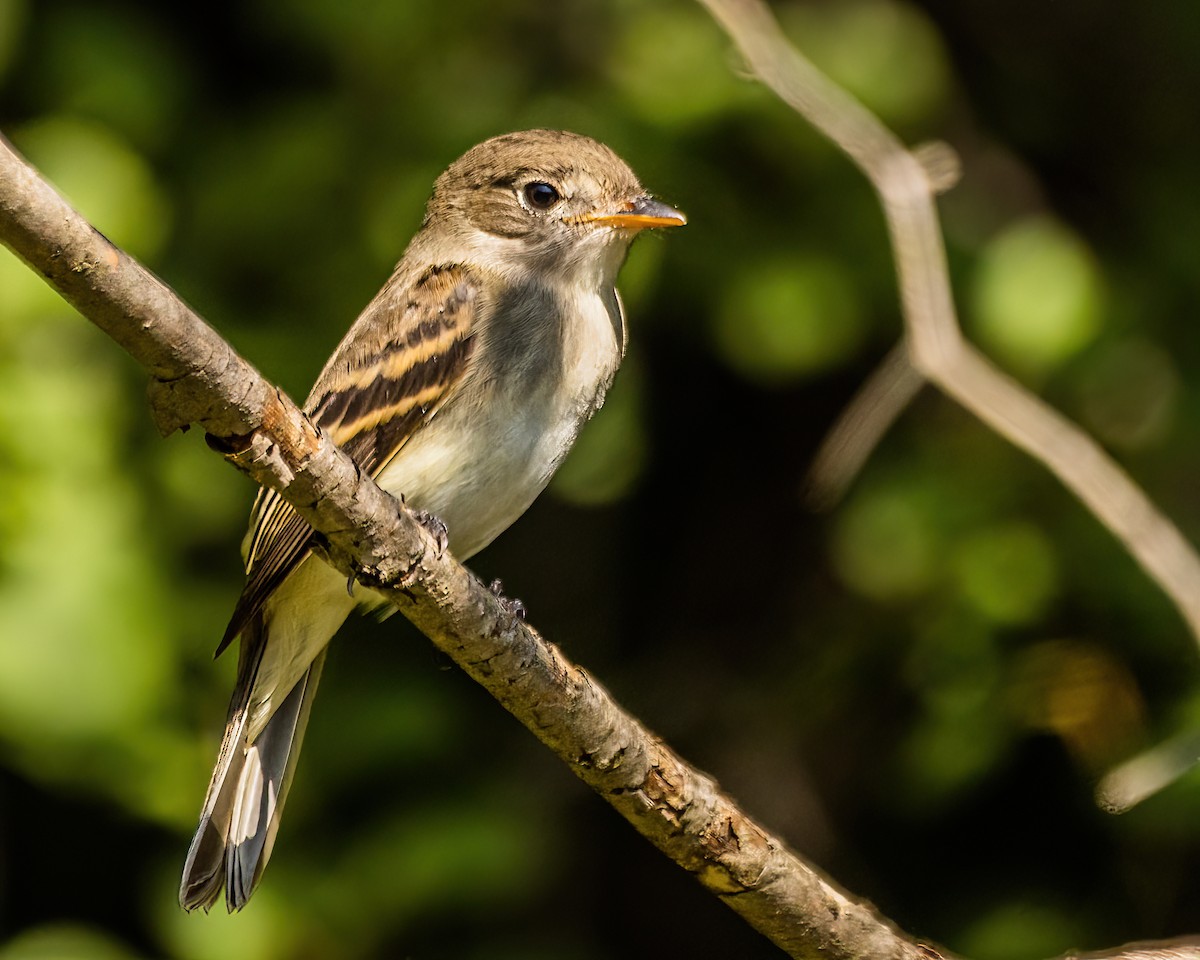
[(245, 797)]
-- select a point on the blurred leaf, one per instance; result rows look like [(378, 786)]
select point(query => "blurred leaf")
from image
[(272, 930), (654, 66), (102, 178), (945, 755), (395, 207), (955, 670), (1019, 930), (370, 37), (1009, 572), (200, 486), (27, 297), (298, 151), (64, 942), (1036, 295), (86, 660), (785, 319), (886, 545), (886, 53), (72, 550)]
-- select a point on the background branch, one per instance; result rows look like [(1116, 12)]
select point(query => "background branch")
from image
[(935, 344), (861, 425), (934, 340)]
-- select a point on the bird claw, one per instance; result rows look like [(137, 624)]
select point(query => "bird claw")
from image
[(512, 605), (436, 528)]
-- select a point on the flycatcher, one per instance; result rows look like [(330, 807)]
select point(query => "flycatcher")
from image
[(461, 387)]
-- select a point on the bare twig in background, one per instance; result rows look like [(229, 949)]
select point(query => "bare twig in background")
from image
[(887, 392), (1131, 782), (936, 347), (849, 442)]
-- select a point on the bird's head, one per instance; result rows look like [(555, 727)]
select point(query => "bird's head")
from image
[(546, 196)]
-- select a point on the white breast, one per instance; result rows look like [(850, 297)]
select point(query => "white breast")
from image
[(484, 458)]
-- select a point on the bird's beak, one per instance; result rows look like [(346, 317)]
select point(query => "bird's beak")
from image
[(638, 214)]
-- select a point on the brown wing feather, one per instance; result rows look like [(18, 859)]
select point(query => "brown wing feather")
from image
[(382, 383)]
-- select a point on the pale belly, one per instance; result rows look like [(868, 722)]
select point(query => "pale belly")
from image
[(478, 470), (483, 459)]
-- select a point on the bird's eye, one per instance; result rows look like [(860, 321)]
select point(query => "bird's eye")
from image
[(540, 196)]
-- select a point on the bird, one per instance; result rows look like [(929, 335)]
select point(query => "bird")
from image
[(460, 388)]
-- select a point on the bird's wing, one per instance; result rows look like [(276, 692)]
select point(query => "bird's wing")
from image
[(384, 381)]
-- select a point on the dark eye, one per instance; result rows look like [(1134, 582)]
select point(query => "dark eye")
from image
[(540, 196)]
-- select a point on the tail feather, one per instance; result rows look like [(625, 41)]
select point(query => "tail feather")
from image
[(203, 873), (240, 817), (262, 789)]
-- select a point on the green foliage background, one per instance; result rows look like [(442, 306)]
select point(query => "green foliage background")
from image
[(918, 689)]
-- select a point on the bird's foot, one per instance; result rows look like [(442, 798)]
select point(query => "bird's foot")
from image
[(512, 605), (436, 528)]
